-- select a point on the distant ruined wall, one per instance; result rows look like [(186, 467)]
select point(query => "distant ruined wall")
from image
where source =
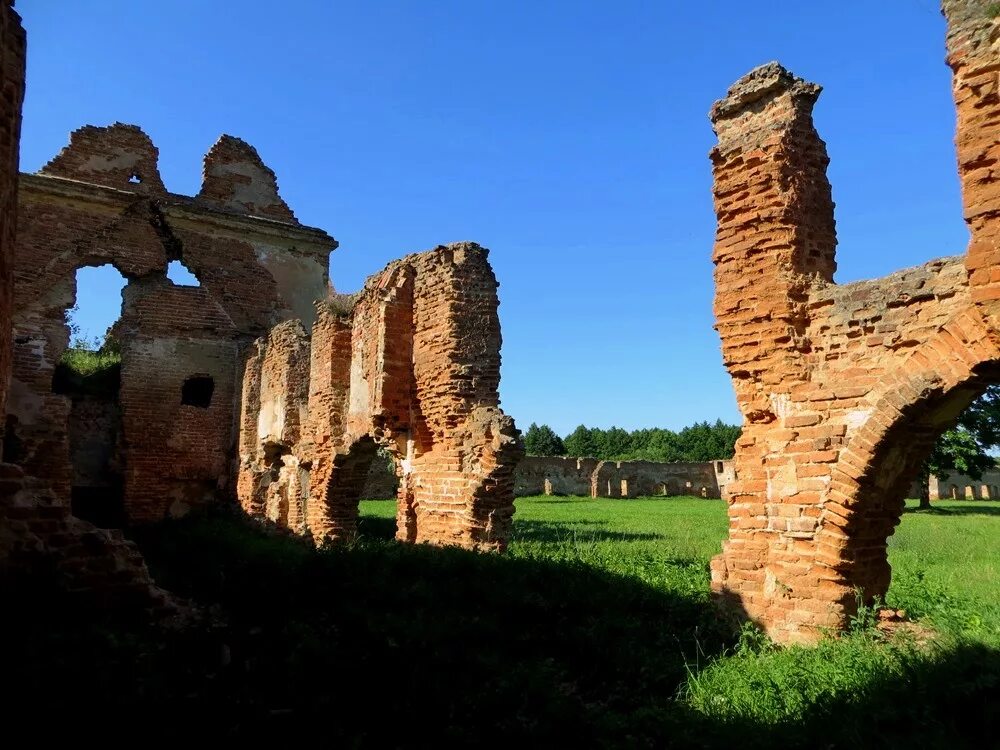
[(843, 388), (961, 487), (413, 367), (101, 201), (590, 477)]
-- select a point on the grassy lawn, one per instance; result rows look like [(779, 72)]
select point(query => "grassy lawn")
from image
[(595, 630)]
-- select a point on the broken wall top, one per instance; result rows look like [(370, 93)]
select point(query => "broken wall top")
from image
[(119, 156), (234, 178)]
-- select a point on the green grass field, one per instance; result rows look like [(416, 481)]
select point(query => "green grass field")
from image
[(596, 629)]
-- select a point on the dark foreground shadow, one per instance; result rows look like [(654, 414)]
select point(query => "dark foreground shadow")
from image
[(385, 645)]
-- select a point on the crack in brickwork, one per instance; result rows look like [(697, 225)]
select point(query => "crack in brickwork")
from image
[(844, 389), (413, 367)]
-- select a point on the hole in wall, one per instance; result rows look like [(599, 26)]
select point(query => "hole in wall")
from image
[(91, 364), (197, 391), (135, 179), (181, 275)]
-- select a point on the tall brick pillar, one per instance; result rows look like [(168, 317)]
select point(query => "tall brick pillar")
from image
[(775, 238), (973, 52)]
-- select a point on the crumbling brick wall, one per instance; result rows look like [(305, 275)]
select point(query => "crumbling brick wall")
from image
[(39, 537), (102, 201), (413, 366), (843, 389), (12, 51)]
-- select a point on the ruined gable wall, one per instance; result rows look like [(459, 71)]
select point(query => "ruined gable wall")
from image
[(83, 209), (843, 389)]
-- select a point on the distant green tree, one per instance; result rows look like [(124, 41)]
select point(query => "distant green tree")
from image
[(580, 443), (966, 448), (543, 441), (701, 441)]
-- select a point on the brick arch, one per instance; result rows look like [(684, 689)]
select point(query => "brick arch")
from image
[(869, 483), (843, 388)]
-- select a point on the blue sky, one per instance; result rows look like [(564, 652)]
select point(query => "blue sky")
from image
[(571, 138)]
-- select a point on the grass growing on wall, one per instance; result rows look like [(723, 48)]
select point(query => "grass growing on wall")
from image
[(596, 629), (88, 371)]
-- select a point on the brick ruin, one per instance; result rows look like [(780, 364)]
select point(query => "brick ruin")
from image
[(38, 533), (843, 388), (242, 385), (411, 365), (165, 435)]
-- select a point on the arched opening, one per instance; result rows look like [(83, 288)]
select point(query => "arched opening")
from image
[(89, 375), (900, 452), (377, 509), (351, 476)]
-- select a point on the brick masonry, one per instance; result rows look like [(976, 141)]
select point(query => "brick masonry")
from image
[(12, 53), (412, 364), (38, 534), (843, 388), (101, 200)]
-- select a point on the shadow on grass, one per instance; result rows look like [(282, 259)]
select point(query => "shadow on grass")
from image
[(583, 531), (374, 527), (385, 645), (970, 509)]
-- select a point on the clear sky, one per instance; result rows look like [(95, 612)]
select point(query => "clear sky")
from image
[(571, 138)]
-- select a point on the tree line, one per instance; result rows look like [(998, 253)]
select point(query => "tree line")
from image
[(702, 441)]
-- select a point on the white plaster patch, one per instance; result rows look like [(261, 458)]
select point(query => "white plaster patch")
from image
[(780, 404), (360, 390), (856, 418), (258, 192), (271, 418), (300, 280)]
